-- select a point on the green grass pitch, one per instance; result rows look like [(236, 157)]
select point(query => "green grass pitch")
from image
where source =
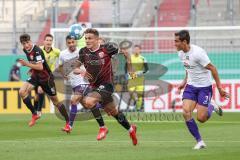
[(157, 140)]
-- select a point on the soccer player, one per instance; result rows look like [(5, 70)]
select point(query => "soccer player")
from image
[(139, 67), (97, 60), (51, 55), (197, 83), (78, 83), (41, 75)]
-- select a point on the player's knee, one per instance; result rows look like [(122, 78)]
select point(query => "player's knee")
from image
[(55, 100), (40, 91), (22, 93), (56, 103), (36, 98), (186, 112), (202, 118), (114, 112), (89, 103), (74, 102)]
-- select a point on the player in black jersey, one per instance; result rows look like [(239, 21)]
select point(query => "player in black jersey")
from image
[(96, 59), (41, 75)]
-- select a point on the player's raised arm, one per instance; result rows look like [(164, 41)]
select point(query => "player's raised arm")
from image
[(112, 48)]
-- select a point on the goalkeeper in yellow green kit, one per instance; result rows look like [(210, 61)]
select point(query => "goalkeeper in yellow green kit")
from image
[(139, 67)]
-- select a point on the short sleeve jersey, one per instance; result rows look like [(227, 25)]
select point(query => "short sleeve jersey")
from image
[(51, 57), (36, 56), (194, 62), (67, 59), (98, 63)]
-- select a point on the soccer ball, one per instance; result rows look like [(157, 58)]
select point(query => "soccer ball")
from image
[(76, 31)]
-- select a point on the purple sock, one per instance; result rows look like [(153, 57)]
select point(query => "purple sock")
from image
[(210, 110), (193, 129), (73, 113)]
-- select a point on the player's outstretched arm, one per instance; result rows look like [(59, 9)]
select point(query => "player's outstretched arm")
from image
[(36, 66), (60, 69), (77, 65), (215, 75)]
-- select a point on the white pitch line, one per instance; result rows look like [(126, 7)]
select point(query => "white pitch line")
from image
[(213, 122), (79, 141)]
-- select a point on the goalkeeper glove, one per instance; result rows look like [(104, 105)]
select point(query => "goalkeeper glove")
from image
[(139, 73)]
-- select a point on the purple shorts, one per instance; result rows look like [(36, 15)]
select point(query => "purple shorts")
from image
[(201, 95), (82, 89)]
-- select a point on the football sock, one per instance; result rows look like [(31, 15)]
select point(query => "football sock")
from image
[(98, 116), (35, 104), (63, 111), (73, 113), (40, 101), (210, 109), (193, 129), (28, 103), (120, 117)]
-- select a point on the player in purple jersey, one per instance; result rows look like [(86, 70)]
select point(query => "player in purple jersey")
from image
[(41, 75), (96, 59), (197, 84)]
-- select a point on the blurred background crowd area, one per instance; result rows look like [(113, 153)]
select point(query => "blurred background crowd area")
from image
[(36, 17)]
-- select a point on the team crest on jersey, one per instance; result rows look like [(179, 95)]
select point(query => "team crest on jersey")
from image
[(101, 54), (187, 57)]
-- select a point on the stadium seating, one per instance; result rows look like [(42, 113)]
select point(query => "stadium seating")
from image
[(33, 18), (127, 10), (217, 13), (171, 13)]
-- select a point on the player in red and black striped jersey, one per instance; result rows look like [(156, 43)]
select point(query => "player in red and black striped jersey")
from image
[(41, 75), (96, 59)]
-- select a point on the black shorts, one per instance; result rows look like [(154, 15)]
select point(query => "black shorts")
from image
[(48, 86), (106, 91)]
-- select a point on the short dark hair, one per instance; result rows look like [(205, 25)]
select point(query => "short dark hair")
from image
[(93, 31), (138, 46), (25, 37), (48, 35), (69, 37), (183, 35)]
